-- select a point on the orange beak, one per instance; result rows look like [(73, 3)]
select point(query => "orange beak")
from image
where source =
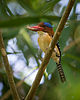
[(35, 28)]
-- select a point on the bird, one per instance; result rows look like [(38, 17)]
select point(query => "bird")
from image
[(46, 33)]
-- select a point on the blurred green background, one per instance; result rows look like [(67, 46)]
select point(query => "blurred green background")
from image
[(25, 55)]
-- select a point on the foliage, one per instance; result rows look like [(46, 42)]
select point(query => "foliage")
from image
[(21, 45)]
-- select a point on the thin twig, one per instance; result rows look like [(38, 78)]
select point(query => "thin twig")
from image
[(48, 54), (71, 45), (8, 93), (8, 69)]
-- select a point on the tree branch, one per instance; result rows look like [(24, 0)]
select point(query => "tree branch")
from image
[(73, 43), (8, 93), (48, 54), (8, 69)]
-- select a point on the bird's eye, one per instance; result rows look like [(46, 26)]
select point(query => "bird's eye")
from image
[(44, 26)]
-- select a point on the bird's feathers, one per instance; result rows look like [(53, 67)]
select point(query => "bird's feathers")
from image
[(48, 24)]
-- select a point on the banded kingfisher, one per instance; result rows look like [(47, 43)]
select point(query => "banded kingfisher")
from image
[(45, 31)]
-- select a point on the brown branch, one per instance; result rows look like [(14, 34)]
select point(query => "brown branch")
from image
[(8, 93), (71, 45), (8, 69), (48, 54)]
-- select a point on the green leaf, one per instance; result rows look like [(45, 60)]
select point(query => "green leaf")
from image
[(10, 33), (51, 66), (63, 38), (47, 6), (27, 5), (19, 21)]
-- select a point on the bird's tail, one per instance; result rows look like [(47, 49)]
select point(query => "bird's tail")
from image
[(61, 72)]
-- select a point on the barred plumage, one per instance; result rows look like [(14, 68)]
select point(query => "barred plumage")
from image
[(59, 66), (61, 72)]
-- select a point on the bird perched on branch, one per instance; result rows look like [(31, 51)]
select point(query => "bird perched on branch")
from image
[(45, 31)]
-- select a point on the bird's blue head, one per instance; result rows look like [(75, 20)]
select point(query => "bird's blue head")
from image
[(43, 26), (47, 25)]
